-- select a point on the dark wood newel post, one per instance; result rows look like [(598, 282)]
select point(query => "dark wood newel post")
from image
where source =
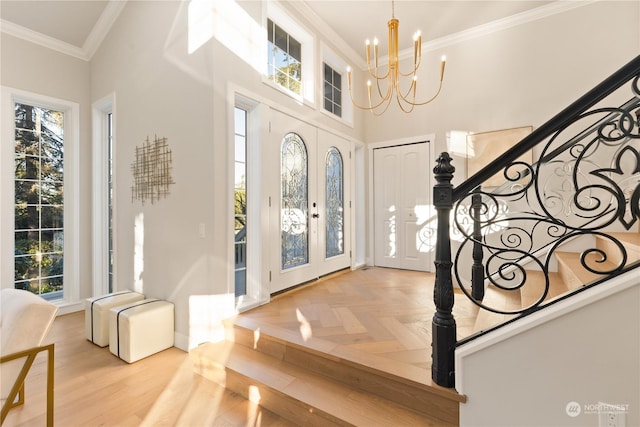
[(443, 324), (477, 269)]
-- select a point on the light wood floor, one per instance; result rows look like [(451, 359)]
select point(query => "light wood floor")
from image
[(95, 388), (382, 312)]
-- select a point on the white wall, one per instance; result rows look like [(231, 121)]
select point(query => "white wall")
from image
[(585, 350), (519, 76), (161, 89)]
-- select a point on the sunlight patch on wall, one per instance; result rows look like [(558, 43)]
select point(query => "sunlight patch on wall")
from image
[(231, 25), (138, 253), (206, 313), (457, 143)]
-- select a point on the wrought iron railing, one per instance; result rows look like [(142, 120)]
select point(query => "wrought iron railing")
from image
[(583, 184)]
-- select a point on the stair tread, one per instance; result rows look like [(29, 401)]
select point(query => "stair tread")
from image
[(571, 263), (631, 239), (338, 399)]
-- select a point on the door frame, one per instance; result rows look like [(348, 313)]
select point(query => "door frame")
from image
[(261, 104), (428, 138)]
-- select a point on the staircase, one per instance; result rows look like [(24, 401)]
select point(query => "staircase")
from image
[(570, 275), (310, 383)]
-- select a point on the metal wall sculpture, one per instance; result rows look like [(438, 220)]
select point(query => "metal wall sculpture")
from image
[(151, 171)]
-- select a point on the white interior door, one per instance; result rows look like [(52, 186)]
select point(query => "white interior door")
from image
[(402, 207), (310, 225)]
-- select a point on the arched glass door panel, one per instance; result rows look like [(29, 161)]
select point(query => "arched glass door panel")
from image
[(334, 203), (294, 202)]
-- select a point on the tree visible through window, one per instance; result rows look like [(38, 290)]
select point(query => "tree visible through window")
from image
[(285, 59), (38, 207), (240, 201)]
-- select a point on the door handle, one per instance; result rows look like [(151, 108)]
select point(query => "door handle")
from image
[(315, 215)]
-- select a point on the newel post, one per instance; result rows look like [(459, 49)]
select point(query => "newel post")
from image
[(443, 324), (477, 269)]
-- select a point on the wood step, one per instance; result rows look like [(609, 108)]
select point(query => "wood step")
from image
[(403, 384), (572, 271), (630, 241), (298, 394), (498, 299), (532, 291)]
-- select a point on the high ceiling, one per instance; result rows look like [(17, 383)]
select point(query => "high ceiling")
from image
[(72, 21)]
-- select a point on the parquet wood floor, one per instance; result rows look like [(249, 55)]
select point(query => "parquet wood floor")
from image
[(378, 311)]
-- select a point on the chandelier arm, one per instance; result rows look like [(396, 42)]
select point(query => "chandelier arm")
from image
[(412, 72), (380, 90), (373, 73), (373, 111), (386, 98), (405, 97), (400, 99), (432, 98)]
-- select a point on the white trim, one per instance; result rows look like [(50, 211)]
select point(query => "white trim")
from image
[(91, 44), (100, 217), (102, 27), (323, 28), (281, 17), (24, 33), (257, 280), (502, 24), (358, 206), (71, 287), (430, 138), (582, 299), (329, 57)]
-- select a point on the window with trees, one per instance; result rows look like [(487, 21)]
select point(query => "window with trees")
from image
[(284, 65), (39, 200), (240, 201)]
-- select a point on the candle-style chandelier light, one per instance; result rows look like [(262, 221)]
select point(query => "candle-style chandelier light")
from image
[(387, 79)]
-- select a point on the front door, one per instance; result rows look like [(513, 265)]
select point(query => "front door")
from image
[(309, 226)]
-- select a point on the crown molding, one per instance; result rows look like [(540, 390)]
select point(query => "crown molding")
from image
[(502, 24), (103, 26), (540, 12), (91, 44), (303, 8), (23, 33)]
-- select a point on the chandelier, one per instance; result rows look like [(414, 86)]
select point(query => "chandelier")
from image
[(387, 79)]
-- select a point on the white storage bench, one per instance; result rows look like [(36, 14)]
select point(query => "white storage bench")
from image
[(96, 314), (140, 329)]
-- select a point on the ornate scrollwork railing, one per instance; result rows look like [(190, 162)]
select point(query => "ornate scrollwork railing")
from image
[(584, 184)]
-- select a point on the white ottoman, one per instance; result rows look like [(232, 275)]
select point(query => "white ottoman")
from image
[(140, 329), (96, 314)]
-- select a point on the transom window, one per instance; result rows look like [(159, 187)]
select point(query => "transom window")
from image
[(284, 65), (332, 88), (39, 200)]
